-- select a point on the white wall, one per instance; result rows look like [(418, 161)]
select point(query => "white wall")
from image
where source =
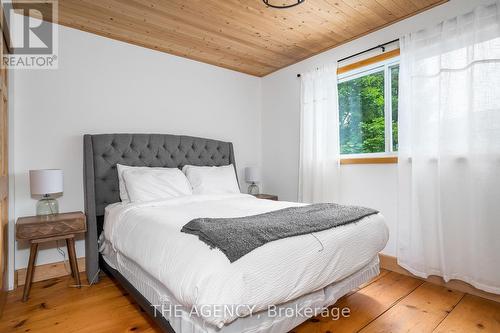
[(106, 86), (370, 185)]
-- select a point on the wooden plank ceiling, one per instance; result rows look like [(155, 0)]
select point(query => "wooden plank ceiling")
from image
[(243, 35)]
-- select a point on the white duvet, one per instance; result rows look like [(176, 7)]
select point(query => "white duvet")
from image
[(275, 273)]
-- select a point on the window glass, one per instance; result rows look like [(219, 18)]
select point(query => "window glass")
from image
[(361, 114), (368, 109)]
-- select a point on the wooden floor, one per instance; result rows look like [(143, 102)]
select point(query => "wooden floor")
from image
[(390, 303)]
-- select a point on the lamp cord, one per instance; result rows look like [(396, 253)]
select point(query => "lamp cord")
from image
[(92, 281), (68, 270), (63, 254)]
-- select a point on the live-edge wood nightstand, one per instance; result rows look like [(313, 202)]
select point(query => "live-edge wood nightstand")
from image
[(46, 228)]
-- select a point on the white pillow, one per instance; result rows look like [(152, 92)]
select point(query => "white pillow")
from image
[(155, 184), (121, 183), (211, 179)]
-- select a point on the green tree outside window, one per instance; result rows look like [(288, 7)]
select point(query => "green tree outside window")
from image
[(362, 112)]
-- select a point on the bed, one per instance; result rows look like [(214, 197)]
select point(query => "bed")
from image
[(170, 273)]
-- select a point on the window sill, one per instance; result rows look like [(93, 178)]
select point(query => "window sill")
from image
[(369, 160)]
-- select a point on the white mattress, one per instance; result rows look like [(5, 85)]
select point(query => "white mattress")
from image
[(278, 272), (157, 294)]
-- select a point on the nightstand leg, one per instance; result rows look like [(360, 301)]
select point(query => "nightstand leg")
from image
[(30, 271), (70, 242), (68, 245)]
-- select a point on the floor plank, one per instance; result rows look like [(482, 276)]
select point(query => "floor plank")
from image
[(419, 312), (55, 307), (472, 314), (365, 305)]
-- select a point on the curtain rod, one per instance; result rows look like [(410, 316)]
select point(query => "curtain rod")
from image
[(381, 46)]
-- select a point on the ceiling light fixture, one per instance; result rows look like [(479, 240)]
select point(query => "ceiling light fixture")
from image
[(283, 6)]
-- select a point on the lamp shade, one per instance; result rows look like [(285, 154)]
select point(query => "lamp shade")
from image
[(252, 174), (46, 181)]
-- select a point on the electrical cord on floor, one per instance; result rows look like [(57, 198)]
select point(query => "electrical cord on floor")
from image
[(92, 281), (68, 270)]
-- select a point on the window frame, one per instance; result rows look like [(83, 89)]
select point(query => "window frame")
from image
[(379, 63)]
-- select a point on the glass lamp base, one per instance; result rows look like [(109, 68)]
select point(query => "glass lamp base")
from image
[(47, 206), (253, 189)]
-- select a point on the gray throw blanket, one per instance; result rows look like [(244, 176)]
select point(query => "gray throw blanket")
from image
[(236, 237)]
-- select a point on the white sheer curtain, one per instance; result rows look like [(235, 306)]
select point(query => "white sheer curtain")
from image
[(449, 150), (319, 136)]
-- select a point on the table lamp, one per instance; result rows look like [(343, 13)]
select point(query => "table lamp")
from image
[(252, 176), (46, 183)]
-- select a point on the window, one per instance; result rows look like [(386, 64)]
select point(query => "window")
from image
[(368, 109)]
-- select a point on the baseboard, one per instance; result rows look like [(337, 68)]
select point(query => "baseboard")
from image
[(390, 263), (47, 271)]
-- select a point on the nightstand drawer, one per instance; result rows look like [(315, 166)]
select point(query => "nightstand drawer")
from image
[(266, 196), (50, 226)]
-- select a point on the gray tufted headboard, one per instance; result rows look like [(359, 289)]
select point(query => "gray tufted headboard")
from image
[(102, 152)]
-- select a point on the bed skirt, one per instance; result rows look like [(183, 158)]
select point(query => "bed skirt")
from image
[(155, 293)]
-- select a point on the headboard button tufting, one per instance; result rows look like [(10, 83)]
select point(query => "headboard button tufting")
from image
[(130, 149)]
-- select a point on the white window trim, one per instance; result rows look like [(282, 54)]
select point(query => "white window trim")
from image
[(382, 66)]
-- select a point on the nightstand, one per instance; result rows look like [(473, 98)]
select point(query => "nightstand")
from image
[(267, 196), (47, 228)]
